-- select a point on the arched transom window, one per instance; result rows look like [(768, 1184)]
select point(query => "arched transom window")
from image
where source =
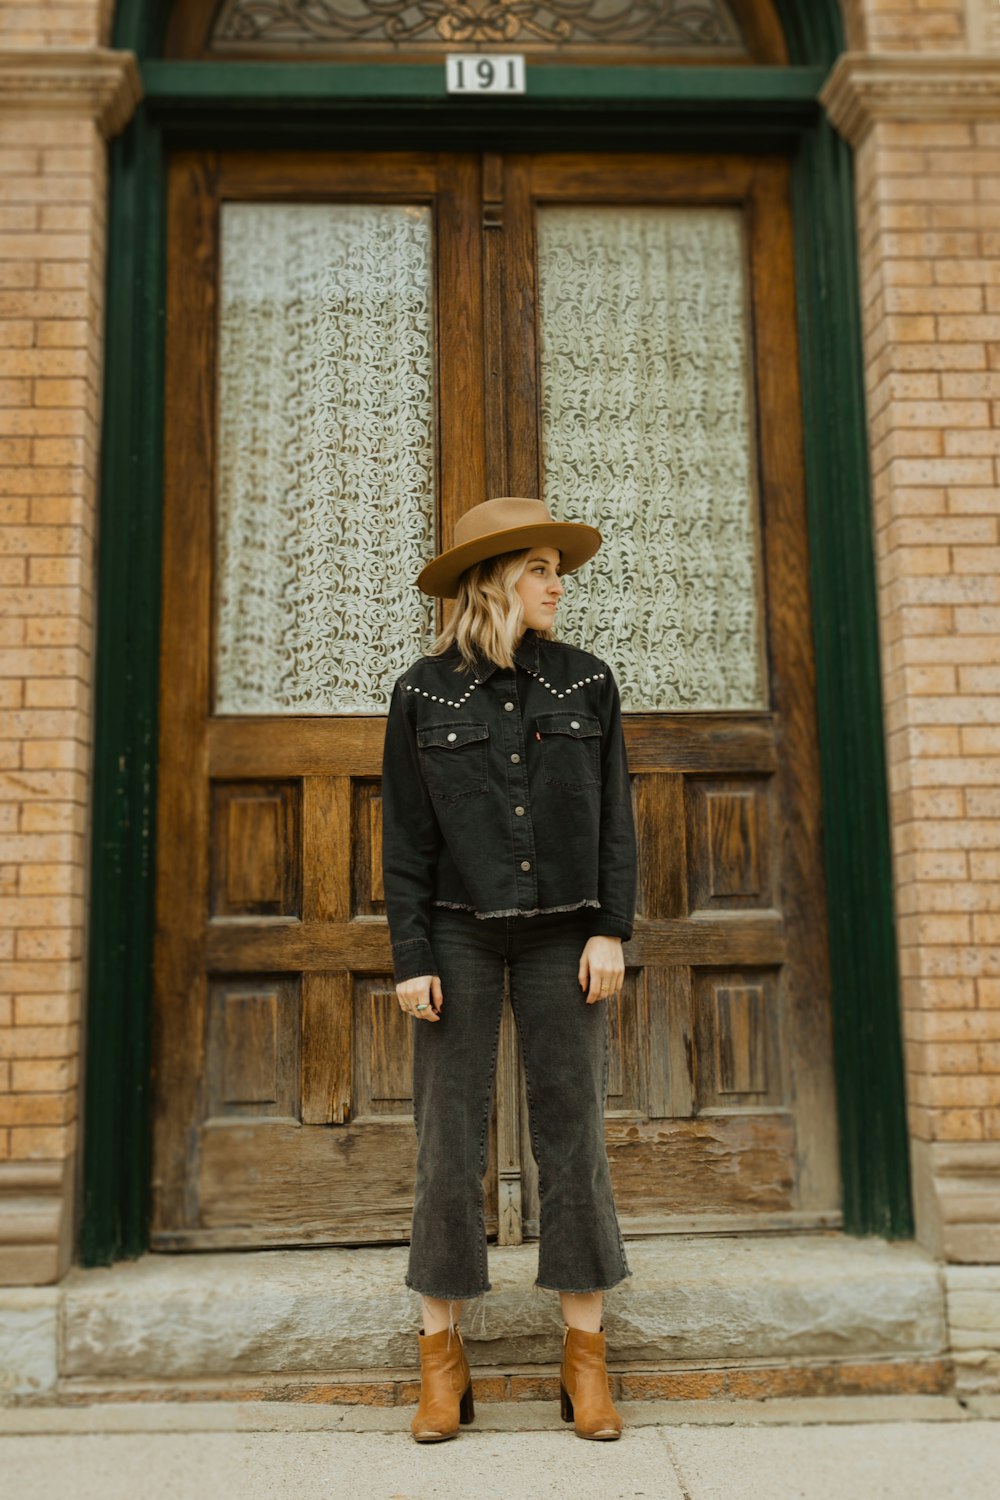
[(730, 31)]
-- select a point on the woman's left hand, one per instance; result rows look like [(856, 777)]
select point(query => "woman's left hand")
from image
[(602, 968)]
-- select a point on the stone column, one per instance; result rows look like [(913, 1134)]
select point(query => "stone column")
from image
[(60, 99)]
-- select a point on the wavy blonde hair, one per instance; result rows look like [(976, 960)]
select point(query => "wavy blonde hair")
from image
[(488, 612)]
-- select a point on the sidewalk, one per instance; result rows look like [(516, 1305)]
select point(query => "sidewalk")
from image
[(829, 1448)]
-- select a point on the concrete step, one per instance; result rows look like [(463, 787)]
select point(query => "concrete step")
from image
[(333, 1316)]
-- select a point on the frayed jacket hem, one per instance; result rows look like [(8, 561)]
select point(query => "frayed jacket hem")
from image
[(516, 911)]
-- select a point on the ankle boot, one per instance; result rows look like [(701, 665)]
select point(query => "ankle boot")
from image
[(445, 1386), (584, 1391)]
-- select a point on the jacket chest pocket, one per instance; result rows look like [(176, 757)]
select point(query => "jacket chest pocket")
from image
[(453, 760), (571, 748)]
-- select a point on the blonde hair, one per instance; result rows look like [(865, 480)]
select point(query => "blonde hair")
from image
[(488, 612)]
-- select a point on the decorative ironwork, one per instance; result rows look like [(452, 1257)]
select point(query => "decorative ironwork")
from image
[(689, 25)]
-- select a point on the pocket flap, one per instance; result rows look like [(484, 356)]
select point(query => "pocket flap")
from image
[(451, 736), (565, 721)]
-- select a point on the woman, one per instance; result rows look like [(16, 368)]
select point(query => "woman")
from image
[(508, 840)]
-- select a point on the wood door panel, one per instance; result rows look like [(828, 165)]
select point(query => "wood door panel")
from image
[(712, 1165), (327, 1048), (253, 1047), (729, 860), (737, 1039), (256, 849), (360, 1177), (349, 1186), (383, 1051)]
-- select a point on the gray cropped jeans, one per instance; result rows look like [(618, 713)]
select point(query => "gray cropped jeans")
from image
[(564, 1043)]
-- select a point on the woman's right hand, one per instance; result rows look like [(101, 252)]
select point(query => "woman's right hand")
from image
[(426, 989)]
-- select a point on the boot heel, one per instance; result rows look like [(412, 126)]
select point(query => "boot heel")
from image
[(466, 1409), (565, 1404)]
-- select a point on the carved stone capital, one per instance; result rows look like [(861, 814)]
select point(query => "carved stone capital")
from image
[(95, 83), (864, 87)]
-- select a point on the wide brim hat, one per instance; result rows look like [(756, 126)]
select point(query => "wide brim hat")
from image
[(505, 525)]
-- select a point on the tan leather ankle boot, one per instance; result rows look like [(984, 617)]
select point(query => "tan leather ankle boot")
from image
[(445, 1386), (584, 1391)]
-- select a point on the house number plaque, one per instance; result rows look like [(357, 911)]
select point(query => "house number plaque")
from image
[(485, 73)]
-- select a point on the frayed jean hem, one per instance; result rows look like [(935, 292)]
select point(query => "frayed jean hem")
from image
[(583, 1291), (449, 1296)]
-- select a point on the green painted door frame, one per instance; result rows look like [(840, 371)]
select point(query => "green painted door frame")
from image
[(311, 105)]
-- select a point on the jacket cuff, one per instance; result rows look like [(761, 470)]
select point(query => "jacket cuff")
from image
[(605, 924), (411, 959)]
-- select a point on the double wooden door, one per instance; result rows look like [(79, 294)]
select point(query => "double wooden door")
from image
[(360, 346)]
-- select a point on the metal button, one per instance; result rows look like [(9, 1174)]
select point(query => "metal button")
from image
[(453, 736), (526, 864), (573, 724), (519, 811), (508, 705), (515, 758)]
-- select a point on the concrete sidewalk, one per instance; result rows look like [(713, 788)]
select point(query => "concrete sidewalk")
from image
[(832, 1448)]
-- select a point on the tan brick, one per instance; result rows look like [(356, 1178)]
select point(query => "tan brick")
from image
[(46, 754), (48, 1010), (974, 501), (934, 299), (957, 1124), (37, 1109), (39, 879), (42, 1075), (49, 943), (57, 692), (59, 274), (972, 443), (40, 977), (38, 1041), (42, 1142), (924, 355)]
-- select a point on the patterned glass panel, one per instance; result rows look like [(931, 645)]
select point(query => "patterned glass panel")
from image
[(528, 25), (326, 454), (647, 430)]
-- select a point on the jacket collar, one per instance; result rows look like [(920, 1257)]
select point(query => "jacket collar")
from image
[(525, 654)]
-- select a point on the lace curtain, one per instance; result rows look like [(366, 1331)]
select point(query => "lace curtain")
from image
[(648, 434), (326, 455)]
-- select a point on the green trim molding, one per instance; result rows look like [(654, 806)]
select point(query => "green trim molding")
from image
[(311, 105)]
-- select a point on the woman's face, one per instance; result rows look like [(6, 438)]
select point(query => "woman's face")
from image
[(540, 587)]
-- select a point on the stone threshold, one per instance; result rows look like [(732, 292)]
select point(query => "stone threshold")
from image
[(700, 1316), (744, 1381)]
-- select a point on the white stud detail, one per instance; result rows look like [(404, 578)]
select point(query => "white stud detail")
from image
[(459, 703)]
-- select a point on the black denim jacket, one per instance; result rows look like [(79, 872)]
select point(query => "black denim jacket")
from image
[(503, 813)]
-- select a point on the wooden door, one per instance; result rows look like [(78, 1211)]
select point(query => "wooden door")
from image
[(721, 1108), (282, 1105), (282, 1061)]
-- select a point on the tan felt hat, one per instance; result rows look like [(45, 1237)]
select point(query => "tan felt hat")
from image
[(505, 525)]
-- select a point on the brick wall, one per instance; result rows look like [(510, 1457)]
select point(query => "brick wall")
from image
[(55, 23), (929, 209), (52, 212), (906, 25), (52, 181)]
